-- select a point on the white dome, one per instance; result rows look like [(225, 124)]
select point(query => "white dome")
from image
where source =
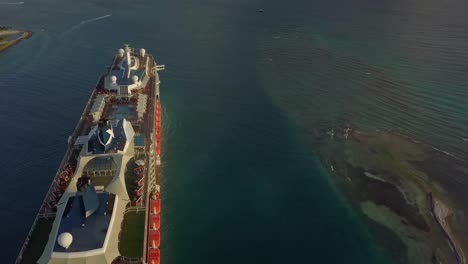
[(135, 78), (113, 79), (65, 239), (142, 52), (121, 52)]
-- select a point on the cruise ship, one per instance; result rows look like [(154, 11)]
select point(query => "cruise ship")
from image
[(104, 205)]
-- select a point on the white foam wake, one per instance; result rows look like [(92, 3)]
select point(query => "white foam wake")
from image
[(11, 3), (94, 19), (86, 22)]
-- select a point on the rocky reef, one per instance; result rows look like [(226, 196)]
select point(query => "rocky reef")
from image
[(10, 37), (404, 190)]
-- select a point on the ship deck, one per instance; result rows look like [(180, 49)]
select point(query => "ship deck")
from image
[(132, 235), (88, 233)]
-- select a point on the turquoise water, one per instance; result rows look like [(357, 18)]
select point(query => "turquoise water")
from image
[(241, 94)]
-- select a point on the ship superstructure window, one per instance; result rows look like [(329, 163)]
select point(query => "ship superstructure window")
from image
[(100, 166), (123, 90)]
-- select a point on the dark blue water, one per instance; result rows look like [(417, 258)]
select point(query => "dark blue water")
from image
[(241, 182)]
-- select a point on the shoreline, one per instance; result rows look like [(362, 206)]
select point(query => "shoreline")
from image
[(442, 213), (385, 179)]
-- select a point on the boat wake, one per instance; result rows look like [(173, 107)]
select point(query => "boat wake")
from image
[(11, 3), (86, 22), (94, 19)]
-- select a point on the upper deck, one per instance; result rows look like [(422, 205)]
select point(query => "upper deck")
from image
[(88, 233)]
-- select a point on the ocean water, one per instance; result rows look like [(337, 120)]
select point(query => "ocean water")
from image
[(241, 93)]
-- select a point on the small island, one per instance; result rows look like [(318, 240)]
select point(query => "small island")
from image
[(10, 37)]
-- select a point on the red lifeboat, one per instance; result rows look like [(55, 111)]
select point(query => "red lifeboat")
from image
[(155, 222), (158, 222), (155, 238), (154, 256), (156, 206), (156, 196)]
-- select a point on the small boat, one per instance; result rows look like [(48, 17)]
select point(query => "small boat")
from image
[(260, 10)]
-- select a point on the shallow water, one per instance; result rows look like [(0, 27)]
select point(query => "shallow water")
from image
[(241, 92)]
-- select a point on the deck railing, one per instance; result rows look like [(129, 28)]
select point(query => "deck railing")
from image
[(135, 209), (131, 260)]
